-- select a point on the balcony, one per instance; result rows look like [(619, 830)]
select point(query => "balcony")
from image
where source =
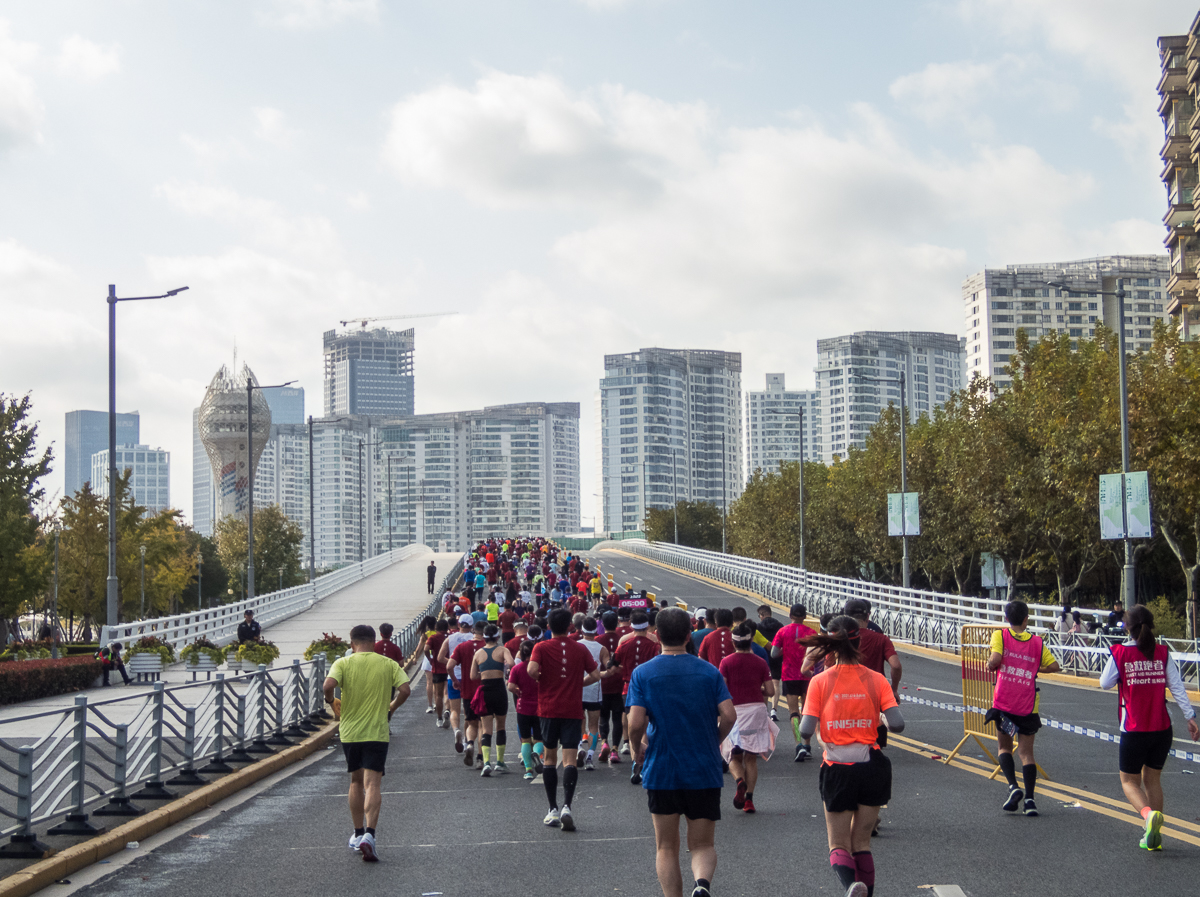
[(1182, 286), (1178, 147), (1173, 81)]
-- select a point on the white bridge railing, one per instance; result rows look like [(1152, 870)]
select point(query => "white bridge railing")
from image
[(219, 624), (931, 619)]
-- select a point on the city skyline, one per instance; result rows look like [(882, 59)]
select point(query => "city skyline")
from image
[(705, 186)]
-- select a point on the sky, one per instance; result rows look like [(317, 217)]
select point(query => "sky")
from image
[(571, 177)]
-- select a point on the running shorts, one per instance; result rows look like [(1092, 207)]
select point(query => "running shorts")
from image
[(881, 736), (795, 687), (507, 637), (1148, 749), (468, 710), (612, 703), (452, 691), (365, 755), (847, 786), (495, 695), (529, 727), (567, 731), (694, 803), (593, 705), (775, 665), (438, 678), (1013, 724)]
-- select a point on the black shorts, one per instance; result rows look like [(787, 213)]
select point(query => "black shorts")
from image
[(1024, 725), (796, 687), (1144, 749), (593, 705), (495, 695), (365, 755), (694, 803), (847, 786), (567, 731), (612, 703), (775, 665), (469, 711), (881, 736), (438, 678), (529, 727)]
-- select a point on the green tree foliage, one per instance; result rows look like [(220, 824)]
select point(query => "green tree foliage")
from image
[(277, 543), (699, 525), (23, 568)]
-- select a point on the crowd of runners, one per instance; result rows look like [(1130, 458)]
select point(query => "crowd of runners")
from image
[(600, 675)]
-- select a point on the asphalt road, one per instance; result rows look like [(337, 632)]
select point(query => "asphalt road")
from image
[(446, 831)]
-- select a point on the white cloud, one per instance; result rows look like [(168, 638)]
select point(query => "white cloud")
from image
[(516, 139), (262, 221), (82, 59), (301, 14), (945, 90), (271, 125), (21, 109)]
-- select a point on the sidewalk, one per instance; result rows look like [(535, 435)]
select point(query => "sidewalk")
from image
[(394, 595)]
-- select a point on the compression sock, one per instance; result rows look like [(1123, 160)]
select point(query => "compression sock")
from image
[(359, 832), (502, 737), (595, 740), (1145, 811), (500, 753), (843, 866), (370, 831), (796, 728), (539, 749), (570, 777), (1029, 773), (1009, 768), (865, 864), (550, 782), (485, 742), (527, 755), (604, 725)]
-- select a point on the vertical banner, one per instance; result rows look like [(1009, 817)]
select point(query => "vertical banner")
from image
[(908, 523), (992, 572), (1137, 504), (1131, 503)]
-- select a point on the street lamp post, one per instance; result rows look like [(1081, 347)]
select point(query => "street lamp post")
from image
[(903, 467), (199, 579), (1129, 570), (250, 387), (54, 610), (112, 603), (142, 579)]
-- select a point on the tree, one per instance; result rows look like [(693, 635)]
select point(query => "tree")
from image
[(277, 543), (23, 571), (699, 525), (83, 556)]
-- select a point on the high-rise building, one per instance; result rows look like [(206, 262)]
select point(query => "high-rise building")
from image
[(671, 422), (369, 372), (998, 302), (150, 476), (87, 433), (1177, 93), (932, 365), (223, 424), (286, 404), (204, 509), (773, 425)]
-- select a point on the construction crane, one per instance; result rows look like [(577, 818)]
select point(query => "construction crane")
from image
[(365, 321)]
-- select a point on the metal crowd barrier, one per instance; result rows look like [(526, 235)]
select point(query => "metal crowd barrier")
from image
[(106, 758), (219, 624), (931, 619)]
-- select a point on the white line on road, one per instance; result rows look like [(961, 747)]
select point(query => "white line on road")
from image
[(639, 579), (953, 694)]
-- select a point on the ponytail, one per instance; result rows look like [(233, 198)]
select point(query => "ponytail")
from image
[(841, 640), (1140, 623)]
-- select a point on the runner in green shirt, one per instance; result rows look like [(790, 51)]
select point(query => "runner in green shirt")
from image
[(373, 686)]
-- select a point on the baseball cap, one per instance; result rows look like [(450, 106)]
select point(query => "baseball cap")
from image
[(466, 620)]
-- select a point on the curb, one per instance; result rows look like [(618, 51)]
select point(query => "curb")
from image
[(45, 872)]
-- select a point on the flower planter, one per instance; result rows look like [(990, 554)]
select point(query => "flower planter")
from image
[(201, 664), (233, 664), (144, 667)]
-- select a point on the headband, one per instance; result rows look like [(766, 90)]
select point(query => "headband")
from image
[(640, 626)]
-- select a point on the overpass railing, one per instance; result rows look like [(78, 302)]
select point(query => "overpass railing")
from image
[(219, 624), (931, 619), (109, 758)]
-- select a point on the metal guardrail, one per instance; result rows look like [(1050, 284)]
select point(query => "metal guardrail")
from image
[(219, 624), (931, 619), (105, 758)]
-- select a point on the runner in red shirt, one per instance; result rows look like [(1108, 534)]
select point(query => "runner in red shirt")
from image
[(508, 619), (437, 670), (795, 682), (748, 678), (718, 644), (561, 669), (520, 634), (461, 657), (632, 651), (612, 707)]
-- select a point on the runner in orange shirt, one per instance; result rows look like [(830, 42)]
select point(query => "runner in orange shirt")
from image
[(843, 704)]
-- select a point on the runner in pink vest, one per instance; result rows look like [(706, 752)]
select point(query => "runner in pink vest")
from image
[(1143, 670), (1017, 658)]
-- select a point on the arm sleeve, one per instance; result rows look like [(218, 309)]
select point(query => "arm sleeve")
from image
[(808, 726), (1109, 677), (1178, 690), (895, 721)]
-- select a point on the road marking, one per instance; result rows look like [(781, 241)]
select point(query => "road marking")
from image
[(656, 588), (639, 579), (953, 694)]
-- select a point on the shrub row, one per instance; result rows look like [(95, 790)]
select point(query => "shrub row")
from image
[(25, 680)]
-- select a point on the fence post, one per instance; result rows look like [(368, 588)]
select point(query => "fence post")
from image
[(294, 728), (322, 673), (239, 754), (218, 764), (278, 737), (260, 737), (154, 788), (120, 804), (188, 775), (76, 822), (306, 711), (24, 844)]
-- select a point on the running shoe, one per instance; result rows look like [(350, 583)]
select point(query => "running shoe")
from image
[(529, 775), (579, 756), (551, 819), (429, 709), (701, 891), (438, 722), (802, 753), (774, 717), (590, 761), (739, 796), (635, 777), (858, 889), (469, 755), (625, 748), (354, 839), (445, 719), (487, 772), (367, 846), (749, 807), (538, 765), (458, 740), (604, 752), (1030, 807), (1013, 803), (1152, 840), (500, 769), (566, 819), (479, 760), (614, 759)]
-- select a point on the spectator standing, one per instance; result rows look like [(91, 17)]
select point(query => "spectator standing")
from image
[(431, 573), (248, 629)]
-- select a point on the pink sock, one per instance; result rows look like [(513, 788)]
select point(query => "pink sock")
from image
[(865, 864), (843, 865)]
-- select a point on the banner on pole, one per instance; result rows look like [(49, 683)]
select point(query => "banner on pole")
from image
[(1129, 504), (991, 568), (906, 521)]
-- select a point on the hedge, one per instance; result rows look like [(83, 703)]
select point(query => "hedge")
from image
[(25, 680)]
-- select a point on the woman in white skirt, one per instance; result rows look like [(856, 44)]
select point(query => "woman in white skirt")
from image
[(748, 678)]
